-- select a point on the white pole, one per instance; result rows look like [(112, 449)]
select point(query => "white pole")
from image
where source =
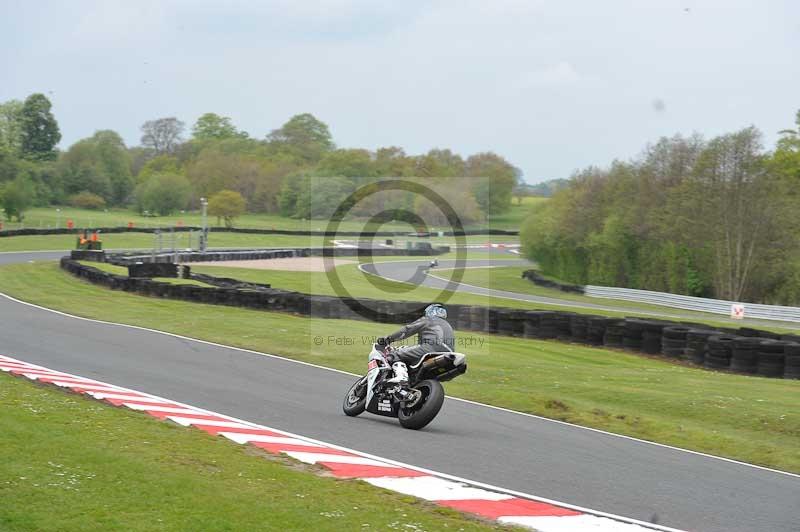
[(204, 225)]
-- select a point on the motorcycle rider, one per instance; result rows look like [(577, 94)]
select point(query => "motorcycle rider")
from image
[(433, 332)]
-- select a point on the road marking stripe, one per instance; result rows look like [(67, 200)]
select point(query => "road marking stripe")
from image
[(265, 438), (368, 471), (31, 370), (239, 430), (69, 380), (85, 386), (434, 489), (508, 507), (159, 408), (279, 448), (313, 458), (124, 396), (575, 523), (33, 374), (6, 365), (186, 421)]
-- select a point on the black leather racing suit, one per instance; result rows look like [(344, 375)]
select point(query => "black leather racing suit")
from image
[(433, 334)]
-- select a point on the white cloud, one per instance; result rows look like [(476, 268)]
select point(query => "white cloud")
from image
[(561, 73)]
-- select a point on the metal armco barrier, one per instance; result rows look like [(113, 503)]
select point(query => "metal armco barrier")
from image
[(699, 304)]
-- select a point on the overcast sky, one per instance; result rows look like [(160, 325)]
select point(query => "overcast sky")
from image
[(551, 85)]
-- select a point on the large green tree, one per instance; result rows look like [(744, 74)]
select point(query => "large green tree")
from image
[(347, 163), (732, 209), (99, 164), (11, 126), (162, 135), (496, 179), (40, 133), (163, 194), (440, 163), (257, 178), (212, 126), (303, 137)]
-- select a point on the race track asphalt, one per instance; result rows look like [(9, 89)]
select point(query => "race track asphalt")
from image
[(524, 453)]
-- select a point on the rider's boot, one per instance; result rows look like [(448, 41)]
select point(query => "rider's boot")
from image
[(400, 374)]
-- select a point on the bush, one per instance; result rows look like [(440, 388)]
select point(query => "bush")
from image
[(87, 200), (226, 204), (163, 194), (16, 197)]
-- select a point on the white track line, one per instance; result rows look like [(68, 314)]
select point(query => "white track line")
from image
[(499, 408)]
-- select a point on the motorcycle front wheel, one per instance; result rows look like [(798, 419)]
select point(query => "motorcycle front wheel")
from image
[(356, 399), (425, 409)]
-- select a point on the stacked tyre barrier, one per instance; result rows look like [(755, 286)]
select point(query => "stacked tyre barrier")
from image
[(771, 358), (537, 279), (614, 335), (579, 328), (632, 335), (696, 345), (791, 368), (744, 356), (718, 354), (673, 341), (748, 351), (595, 333)]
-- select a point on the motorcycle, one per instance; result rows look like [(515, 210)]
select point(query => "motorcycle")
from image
[(415, 405)]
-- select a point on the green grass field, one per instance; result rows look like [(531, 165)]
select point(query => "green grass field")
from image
[(516, 213), (747, 418), (49, 217), (73, 463), (217, 239), (46, 217)]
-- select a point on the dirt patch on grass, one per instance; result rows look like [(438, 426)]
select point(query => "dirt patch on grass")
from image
[(295, 264)]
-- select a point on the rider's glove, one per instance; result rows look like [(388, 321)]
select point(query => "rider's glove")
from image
[(382, 341)]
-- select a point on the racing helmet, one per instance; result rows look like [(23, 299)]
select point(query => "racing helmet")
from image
[(436, 311)]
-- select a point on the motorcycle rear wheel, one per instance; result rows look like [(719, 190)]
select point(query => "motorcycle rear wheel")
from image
[(356, 400), (426, 408)]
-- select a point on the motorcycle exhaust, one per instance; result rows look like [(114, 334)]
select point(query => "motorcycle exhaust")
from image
[(441, 361)]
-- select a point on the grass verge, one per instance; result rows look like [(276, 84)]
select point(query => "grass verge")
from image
[(747, 418), (217, 239), (72, 463), (46, 217)]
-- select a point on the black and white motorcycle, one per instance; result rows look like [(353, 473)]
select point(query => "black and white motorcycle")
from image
[(415, 405)]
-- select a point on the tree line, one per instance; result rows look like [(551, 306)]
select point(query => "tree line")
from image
[(296, 170), (712, 218)]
